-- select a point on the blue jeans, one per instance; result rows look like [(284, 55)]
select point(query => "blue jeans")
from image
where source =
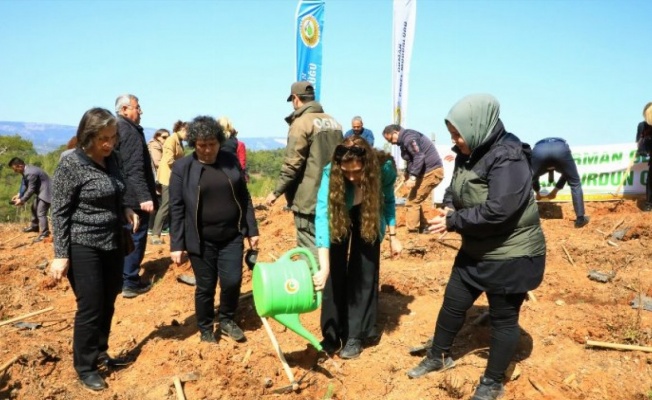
[(131, 268), (218, 261), (554, 153)]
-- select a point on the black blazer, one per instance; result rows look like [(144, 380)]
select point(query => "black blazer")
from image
[(184, 200)]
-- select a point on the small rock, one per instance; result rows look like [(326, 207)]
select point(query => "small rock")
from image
[(267, 382), (560, 302), (600, 276)]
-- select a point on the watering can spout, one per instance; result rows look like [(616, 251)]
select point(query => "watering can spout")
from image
[(292, 321)]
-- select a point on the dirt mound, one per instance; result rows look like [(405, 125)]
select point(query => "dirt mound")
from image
[(158, 330)]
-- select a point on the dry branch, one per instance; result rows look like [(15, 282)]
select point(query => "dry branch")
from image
[(537, 386), (618, 346), (8, 364), (245, 360), (10, 239), (616, 227), (9, 321), (568, 255)]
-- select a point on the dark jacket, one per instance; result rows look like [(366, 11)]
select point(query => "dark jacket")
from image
[(644, 139), (87, 204), (184, 200), (494, 205), (136, 164), (312, 139), (418, 152), (35, 181), (230, 145)]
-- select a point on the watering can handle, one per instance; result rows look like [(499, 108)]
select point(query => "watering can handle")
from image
[(304, 252), (314, 268)]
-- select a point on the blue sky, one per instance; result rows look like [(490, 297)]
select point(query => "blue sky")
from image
[(578, 69)]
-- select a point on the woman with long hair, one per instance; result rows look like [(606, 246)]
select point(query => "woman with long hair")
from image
[(355, 206)]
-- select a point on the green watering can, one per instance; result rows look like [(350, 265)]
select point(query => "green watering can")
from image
[(283, 290)]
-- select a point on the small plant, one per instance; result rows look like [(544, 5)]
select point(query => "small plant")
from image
[(329, 392)]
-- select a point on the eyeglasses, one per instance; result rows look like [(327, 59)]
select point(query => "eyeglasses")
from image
[(137, 107), (341, 151), (164, 137)]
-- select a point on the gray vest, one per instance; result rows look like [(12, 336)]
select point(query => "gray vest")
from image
[(524, 238)]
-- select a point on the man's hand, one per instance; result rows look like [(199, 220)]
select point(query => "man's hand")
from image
[(553, 193), (270, 199), (18, 202), (538, 196), (410, 182), (133, 219), (59, 268), (437, 224), (147, 206)]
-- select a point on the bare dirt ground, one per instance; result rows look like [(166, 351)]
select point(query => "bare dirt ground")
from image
[(158, 330)]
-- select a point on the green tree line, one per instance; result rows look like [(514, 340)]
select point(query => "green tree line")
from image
[(263, 166)]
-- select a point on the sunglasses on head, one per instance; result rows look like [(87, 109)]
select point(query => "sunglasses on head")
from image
[(342, 150)]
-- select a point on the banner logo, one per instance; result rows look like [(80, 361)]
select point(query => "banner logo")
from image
[(310, 31)]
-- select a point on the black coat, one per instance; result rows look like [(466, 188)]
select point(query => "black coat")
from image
[(136, 164), (184, 200)]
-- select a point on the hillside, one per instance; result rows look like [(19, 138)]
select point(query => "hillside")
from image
[(158, 330), (49, 137)]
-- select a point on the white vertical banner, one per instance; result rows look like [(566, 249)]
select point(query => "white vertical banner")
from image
[(404, 21)]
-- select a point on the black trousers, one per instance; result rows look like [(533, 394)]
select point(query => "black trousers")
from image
[(219, 261), (96, 279), (350, 299), (504, 311)]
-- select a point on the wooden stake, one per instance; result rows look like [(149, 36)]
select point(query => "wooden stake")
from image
[(568, 255), (531, 297), (618, 346), (277, 347), (625, 175), (179, 388), (8, 364), (9, 321)]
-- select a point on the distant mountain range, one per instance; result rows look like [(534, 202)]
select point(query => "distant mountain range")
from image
[(49, 137)]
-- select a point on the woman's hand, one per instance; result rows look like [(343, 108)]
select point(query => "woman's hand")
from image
[(253, 242), (133, 218), (395, 246), (319, 279), (59, 268), (177, 256)]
